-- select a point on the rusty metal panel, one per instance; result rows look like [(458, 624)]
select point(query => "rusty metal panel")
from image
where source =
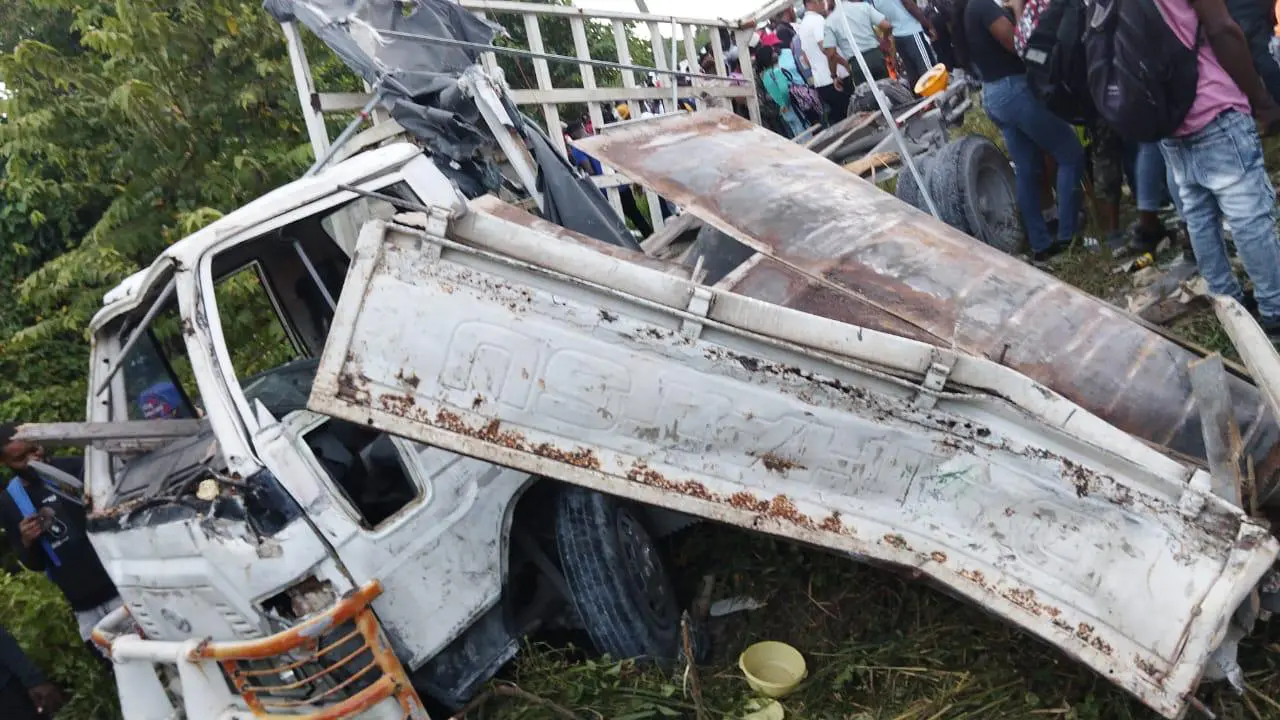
[(855, 244), (553, 373)]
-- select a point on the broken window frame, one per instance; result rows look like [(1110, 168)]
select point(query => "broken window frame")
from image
[(286, 323), (205, 283), (304, 423)]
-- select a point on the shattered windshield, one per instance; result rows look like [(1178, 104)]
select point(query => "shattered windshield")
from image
[(153, 391), (158, 380)]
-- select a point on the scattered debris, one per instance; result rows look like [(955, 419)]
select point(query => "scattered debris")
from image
[(692, 682), (729, 606)]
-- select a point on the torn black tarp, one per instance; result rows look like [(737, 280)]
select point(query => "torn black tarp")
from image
[(572, 200), (417, 82)]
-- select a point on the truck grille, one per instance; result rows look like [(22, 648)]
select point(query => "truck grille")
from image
[(334, 665)]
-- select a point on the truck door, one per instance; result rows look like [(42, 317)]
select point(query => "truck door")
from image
[(425, 522)]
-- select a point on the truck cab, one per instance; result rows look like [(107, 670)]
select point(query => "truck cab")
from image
[(265, 519)]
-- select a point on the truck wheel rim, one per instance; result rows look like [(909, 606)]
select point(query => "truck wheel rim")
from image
[(644, 570)]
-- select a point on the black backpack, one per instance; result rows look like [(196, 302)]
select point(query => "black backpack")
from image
[(1057, 71), (1141, 77)]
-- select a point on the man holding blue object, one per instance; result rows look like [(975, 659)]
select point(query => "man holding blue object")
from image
[(46, 528)]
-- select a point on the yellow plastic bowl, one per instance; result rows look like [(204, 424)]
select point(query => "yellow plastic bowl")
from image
[(934, 81), (772, 668)]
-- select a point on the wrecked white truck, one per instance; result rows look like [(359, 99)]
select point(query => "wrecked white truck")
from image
[(478, 419)]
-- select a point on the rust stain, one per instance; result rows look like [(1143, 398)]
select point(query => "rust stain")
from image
[(781, 508), (1219, 529), (397, 404), (477, 402), (1026, 599), (411, 379), (897, 541), (655, 333), (778, 464), (832, 523), (938, 557), (353, 387), (1084, 632), (1149, 669), (976, 577), (747, 501), (493, 433), (578, 457)]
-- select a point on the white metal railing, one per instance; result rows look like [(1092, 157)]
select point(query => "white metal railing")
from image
[(679, 44)]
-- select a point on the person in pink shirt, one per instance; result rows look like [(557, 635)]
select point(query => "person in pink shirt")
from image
[(1215, 159)]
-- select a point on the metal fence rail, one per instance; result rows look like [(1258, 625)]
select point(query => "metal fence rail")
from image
[(679, 44)]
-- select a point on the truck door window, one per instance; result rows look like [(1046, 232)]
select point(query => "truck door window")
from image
[(158, 381), (256, 337), (363, 464), (273, 297)]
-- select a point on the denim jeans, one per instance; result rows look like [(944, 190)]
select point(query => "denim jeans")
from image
[(793, 121), (1030, 130), (1220, 175), (1151, 178)]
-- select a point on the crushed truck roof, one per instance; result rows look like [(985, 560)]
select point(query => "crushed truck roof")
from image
[(189, 250)]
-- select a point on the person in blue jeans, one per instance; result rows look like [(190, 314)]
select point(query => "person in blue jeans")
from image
[(1215, 160), (1152, 188), (1029, 129)]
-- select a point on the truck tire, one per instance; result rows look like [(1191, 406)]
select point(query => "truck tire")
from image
[(945, 189), (615, 573), (907, 191), (973, 186), (895, 92)]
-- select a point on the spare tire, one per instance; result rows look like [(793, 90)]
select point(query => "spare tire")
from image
[(907, 190), (895, 92), (974, 188), (943, 188)]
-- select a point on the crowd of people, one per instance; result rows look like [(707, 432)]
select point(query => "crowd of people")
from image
[(1209, 165), (810, 64), (1208, 168)]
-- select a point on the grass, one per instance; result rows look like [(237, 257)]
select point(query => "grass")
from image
[(880, 645)]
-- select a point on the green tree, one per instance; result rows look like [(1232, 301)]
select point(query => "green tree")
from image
[(157, 119)]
